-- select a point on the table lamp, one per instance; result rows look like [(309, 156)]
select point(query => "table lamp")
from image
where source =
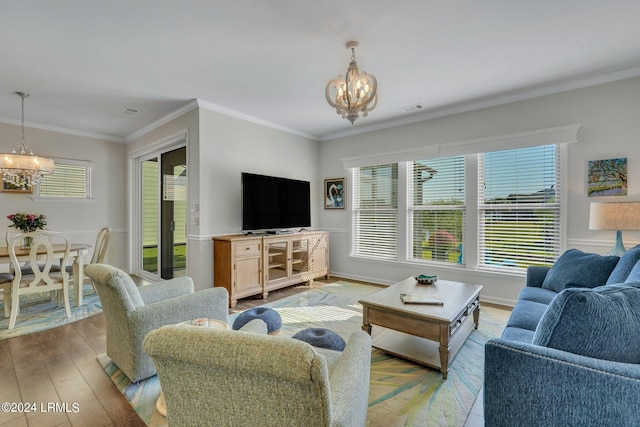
[(615, 216)]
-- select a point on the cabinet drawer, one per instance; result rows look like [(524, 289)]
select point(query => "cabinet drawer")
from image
[(247, 248)]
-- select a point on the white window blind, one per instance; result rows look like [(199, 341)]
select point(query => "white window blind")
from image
[(375, 211), (519, 204), (437, 209), (70, 179)]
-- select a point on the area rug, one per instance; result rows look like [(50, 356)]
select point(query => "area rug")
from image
[(39, 313), (401, 393)]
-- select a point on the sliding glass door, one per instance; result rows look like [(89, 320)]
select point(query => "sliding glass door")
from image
[(163, 193)]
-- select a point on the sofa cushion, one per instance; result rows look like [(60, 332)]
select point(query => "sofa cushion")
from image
[(517, 334), (577, 269), (625, 266), (526, 314), (540, 295), (602, 323)]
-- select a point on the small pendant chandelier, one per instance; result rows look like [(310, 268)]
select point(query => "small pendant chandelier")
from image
[(354, 94), (21, 169)]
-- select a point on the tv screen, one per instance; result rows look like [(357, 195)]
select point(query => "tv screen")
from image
[(269, 202)]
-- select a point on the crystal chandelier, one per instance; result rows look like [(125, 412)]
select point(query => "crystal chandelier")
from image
[(21, 168), (354, 94)]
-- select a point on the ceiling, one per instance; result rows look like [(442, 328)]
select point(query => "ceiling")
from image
[(85, 62)]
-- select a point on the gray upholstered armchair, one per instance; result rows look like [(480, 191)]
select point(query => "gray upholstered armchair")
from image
[(131, 312), (212, 377)]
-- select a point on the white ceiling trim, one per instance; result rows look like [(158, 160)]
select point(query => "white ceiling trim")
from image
[(67, 131), (239, 115), (162, 121), (492, 102)]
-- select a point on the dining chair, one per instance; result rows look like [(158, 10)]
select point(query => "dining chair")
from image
[(102, 244), (41, 258)]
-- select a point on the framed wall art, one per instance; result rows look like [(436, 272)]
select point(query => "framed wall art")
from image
[(10, 188), (334, 193), (607, 177)]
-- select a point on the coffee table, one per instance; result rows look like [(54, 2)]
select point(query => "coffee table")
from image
[(427, 334)]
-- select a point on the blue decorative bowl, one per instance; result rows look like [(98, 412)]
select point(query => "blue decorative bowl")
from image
[(426, 280)]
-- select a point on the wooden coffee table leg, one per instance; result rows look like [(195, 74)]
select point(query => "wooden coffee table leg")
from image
[(444, 350), (366, 326), (476, 316)]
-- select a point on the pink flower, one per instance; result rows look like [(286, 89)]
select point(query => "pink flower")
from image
[(31, 217)]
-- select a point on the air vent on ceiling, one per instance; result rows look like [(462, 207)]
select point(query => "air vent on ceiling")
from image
[(130, 111), (412, 108)]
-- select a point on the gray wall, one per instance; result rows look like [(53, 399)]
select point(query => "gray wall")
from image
[(220, 147), (609, 116), (80, 220)]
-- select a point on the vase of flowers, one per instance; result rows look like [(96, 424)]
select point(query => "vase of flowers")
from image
[(27, 223)]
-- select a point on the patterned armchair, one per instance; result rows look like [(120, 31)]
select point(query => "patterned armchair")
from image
[(230, 378), (132, 312)]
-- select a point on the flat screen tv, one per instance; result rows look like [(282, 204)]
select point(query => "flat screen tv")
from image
[(273, 203)]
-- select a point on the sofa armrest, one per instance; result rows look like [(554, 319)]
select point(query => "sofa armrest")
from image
[(536, 275), (166, 289), (531, 385), (350, 379)]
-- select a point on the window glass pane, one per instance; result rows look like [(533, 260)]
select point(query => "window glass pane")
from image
[(438, 211), (526, 175), (67, 181), (375, 211), (519, 208)]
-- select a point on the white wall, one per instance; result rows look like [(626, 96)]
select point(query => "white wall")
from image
[(220, 147), (609, 115), (79, 220)]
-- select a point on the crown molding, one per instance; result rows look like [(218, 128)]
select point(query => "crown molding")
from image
[(162, 121), (487, 102), (58, 129), (238, 115)]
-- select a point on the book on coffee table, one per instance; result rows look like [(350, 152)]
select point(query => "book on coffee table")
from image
[(430, 299)]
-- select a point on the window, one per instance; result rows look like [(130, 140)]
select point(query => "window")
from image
[(70, 179), (518, 208), (375, 211), (437, 208)]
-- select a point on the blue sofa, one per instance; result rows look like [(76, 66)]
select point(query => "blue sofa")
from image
[(570, 353)]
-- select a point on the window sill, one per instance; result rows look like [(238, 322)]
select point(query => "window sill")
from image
[(62, 199), (460, 268)]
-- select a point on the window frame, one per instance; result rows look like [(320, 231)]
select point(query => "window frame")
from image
[(471, 244), (89, 177)]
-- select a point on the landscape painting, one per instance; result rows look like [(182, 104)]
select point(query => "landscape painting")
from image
[(607, 177)]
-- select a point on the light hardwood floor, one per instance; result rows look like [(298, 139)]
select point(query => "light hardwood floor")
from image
[(59, 366)]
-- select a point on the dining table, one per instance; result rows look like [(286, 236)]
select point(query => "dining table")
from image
[(77, 251)]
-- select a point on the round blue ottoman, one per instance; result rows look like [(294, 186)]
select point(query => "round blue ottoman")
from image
[(267, 315), (321, 337)]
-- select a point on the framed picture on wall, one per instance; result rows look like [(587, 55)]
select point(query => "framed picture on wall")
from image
[(607, 177), (334, 194), (10, 188)]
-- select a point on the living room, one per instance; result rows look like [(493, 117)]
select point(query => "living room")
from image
[(602, 102)]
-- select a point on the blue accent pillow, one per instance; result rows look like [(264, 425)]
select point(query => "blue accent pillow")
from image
[(602, 323), (321, 337), (625, 265), (577, 269), (634, 276)]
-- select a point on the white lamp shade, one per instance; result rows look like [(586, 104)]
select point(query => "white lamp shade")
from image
[(614, 216)]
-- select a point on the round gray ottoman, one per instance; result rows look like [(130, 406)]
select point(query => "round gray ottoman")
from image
[(321, 337), (267, 315)]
